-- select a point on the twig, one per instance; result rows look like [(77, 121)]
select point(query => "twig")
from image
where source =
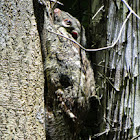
[(99, 49), (55, 1), (100, 134), (69, 39), (130, 9), (98, 12), (107, 80), (135, 137), (120, 31), (44, 3)]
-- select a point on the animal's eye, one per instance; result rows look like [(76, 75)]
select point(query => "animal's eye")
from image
[(67, 22), (74, 34)]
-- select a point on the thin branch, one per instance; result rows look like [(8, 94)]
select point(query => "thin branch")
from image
[(130, 9), (120, 31), (99, 49), (44, 3), (102, 75), (55, 1), (98, 12), (69, 39), (100, 134), (135, 137)]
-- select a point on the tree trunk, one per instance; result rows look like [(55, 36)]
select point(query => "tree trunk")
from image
[(118, 76), (21, 73)]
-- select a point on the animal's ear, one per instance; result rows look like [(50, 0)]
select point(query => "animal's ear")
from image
[(57, 10), (57, 15)]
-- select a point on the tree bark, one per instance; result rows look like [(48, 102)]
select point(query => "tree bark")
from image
[(118, 70), (21, 73)]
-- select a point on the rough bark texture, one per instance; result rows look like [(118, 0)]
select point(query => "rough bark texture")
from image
[(118, 70), (21, 73)]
